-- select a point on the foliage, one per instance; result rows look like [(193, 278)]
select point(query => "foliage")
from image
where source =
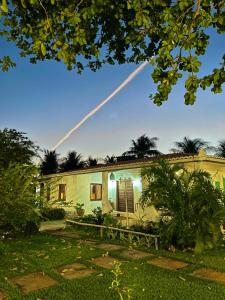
[(110, 159), (195, 206), (99, 216), (91, 162), (18, 198), (53, 213), (123, 292), (49, 164), (150, 228), (15, 147), (72, 162), (191, 145), (79, 205), (3, 248), (6, 63), (143, 147), (92, 33), (110, 221), (220, 149)]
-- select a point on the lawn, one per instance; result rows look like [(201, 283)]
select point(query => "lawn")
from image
[(46, 253)]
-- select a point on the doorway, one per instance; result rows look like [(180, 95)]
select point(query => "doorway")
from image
[(125, 192)]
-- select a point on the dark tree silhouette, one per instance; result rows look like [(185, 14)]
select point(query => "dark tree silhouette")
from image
[(49, 164), (91, 162), (220, 149), (110, 159), (72, 162), (15, 147), (191, 145), (143, 147)]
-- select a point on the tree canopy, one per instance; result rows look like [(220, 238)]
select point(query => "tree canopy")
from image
[(170, 34), (143, 147), (15, 147), (191, 145)]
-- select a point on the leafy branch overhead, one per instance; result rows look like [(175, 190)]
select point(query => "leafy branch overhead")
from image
[(90, 33)]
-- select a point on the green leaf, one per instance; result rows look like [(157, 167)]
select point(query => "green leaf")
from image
[(43, 49), (4, 6)]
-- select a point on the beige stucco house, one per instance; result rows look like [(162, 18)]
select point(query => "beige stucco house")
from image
[(118, 186)]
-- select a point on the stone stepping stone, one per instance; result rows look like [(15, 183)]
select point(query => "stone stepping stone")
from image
[(87, 242), (33, 281), (72, 235), (135, 254), (104, 261), (2, 294), (109, 247), (168, 263), (210, 274), (75, 270)]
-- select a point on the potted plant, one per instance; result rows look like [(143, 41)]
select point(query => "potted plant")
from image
[(79, 209)]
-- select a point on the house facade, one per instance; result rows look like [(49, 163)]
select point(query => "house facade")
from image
[(117, 187)]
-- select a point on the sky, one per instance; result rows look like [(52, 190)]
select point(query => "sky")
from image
[(46, 100)]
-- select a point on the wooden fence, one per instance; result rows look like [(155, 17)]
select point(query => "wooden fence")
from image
[(133, 237)]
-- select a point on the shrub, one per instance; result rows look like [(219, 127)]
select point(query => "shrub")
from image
[(99, 217), (91, 219), (109, 220), (3, 249), (54, 213), (196, 208), (18, 197), (31, 228)]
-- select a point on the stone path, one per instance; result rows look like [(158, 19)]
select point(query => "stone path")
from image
[(210, 274), (135, 254), (72, 235), (104, 261), (52, 225), (167, 263), (87, 242), (2, 294), (33, 282), (78, 270), (75, 270), (109, 247)]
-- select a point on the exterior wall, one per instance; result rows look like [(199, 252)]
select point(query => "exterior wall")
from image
[(77, 190), (82, 190)]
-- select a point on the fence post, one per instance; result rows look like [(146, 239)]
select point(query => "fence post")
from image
[(156, 244), (101, 232)]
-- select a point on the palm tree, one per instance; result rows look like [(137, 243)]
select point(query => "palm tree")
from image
[(143, 147), (190, 145), (91, 162), (110, 159), (49, 164), (72, 162), (220, 150), (195, 207)]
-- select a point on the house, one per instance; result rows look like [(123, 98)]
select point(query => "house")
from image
[(118, 186)]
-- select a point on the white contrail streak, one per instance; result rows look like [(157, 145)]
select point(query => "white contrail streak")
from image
[(93, 111)]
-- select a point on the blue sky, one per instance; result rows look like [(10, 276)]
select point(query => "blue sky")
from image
[(45, 101)]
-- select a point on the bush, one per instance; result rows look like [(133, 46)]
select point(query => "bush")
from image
[(150, 228), (3, 249), (54, 214), (90, 219), (99, 217), (18, 197), (196, 209), (31, 228), (109, 220)]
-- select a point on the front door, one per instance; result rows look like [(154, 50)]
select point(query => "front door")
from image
[(125, 196)]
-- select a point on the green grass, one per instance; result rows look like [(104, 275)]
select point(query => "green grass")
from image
[(45, 253)]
